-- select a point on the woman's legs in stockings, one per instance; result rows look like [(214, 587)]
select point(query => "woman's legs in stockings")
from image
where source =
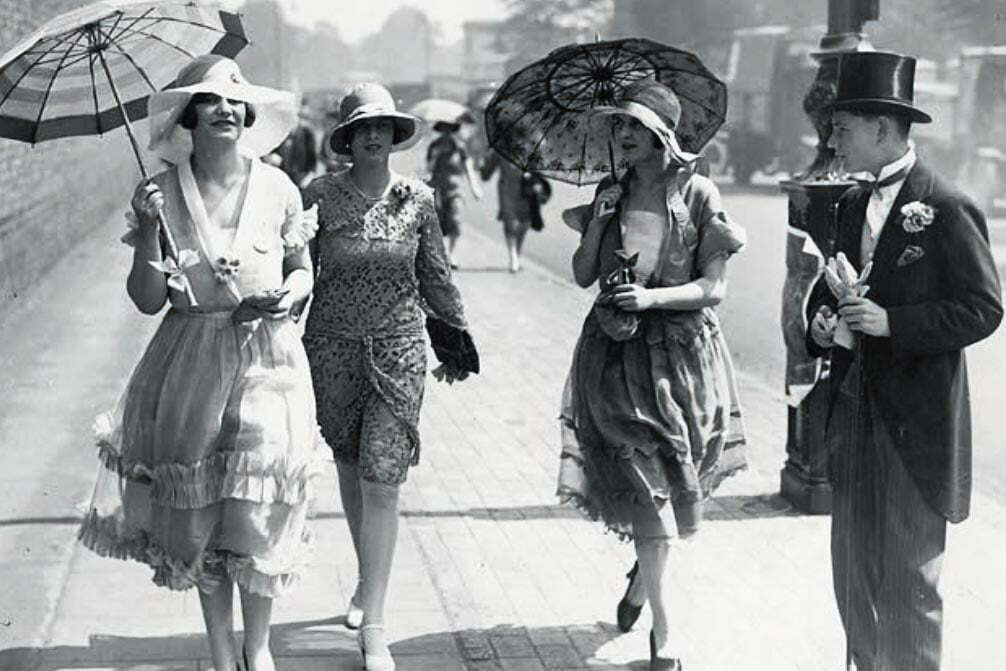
[(256, 611), (514, 231), (218, 614), (378, 535), (652, 542), (352, 505)]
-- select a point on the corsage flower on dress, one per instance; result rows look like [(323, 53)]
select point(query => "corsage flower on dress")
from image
[(401, 192), (225, 269)]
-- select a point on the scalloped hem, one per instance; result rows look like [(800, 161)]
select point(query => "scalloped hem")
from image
[(105, 536), (224, 475)]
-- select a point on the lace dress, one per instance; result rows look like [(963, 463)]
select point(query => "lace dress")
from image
[(380, 266), (654, 420), (207, 458)]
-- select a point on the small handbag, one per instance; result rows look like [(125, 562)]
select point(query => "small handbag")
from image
[(616, 323)]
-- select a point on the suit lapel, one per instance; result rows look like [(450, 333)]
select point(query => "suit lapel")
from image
[(893, 238)]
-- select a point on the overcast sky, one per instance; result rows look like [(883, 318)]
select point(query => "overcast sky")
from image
[(358, 18)]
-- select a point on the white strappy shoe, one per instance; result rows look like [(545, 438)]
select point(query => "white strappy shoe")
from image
[(354, 615), (373, 661)]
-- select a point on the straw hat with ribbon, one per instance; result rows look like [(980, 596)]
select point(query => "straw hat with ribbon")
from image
[(275, 110), (373, 101)]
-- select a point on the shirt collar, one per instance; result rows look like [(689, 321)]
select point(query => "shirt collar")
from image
[(906, 162)]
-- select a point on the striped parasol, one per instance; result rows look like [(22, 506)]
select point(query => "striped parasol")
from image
[(91, 70), (75, 74)]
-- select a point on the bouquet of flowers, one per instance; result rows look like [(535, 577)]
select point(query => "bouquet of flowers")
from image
[(843, 281)]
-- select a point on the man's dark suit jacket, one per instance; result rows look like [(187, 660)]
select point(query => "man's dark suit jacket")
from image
[(937, 305)]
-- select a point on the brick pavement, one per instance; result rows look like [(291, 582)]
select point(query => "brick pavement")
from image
[(492, 574)]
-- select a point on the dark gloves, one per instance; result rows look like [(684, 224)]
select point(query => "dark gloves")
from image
[(454, 347)]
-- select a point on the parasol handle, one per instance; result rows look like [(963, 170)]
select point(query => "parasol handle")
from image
[(169, 239), (611, 160)]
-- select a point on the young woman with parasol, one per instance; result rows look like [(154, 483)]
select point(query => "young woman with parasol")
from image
[(208, 457), (650, 415)]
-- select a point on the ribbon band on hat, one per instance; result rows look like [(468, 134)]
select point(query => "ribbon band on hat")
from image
[(372, 101)]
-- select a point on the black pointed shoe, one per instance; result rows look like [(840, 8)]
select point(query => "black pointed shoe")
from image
[(627, 614), (662, 663)]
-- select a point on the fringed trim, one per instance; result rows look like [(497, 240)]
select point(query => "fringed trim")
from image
[(301, 232), (225, 475), (107, 537)]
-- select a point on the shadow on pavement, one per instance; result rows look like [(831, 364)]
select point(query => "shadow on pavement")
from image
[(327, 644), (503, 270), (717, 508)]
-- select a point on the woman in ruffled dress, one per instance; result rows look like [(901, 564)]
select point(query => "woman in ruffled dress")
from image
[(380, 263), (650, 419), (207, 458)]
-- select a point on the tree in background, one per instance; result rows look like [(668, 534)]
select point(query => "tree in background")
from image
[(288, 56), (535, 27)]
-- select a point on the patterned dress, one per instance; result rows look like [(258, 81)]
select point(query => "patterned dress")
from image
[(381, 266), (447, 157), (652, 419), (208, 457)]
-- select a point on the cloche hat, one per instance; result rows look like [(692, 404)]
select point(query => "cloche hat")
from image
[(373, 101), (657, 107)]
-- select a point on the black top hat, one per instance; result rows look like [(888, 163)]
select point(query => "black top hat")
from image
[(879, 83)]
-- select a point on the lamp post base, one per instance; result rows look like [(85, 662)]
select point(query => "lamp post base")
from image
[(803, 493)]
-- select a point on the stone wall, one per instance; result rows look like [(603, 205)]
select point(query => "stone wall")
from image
[(55, 193)]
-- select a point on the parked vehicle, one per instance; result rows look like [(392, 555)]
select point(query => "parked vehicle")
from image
[(769, 72)]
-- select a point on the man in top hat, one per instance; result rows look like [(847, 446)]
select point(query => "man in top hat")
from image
[(899, 428)]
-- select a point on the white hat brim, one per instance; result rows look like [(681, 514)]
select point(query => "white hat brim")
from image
[(276, 114)]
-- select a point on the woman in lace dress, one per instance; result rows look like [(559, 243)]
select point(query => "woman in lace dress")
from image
[(207, 458), (650, 417), (380, 263)]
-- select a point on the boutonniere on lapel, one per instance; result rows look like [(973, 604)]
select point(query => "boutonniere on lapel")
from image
[(915, 218)]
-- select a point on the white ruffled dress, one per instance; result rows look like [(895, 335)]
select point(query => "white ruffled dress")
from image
[(208, 458)]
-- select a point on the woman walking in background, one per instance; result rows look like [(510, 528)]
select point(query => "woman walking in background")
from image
[(380, 262), (448, 163), (208, 457), (650, 418), (521, 195)]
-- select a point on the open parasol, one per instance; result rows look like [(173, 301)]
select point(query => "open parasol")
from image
[(432, 110), (91, 70), (537, 121)]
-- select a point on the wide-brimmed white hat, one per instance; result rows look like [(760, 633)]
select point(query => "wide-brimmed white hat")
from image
[(373, 101), (275, 110)]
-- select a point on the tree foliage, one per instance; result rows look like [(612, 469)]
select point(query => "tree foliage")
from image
[(535, 27)]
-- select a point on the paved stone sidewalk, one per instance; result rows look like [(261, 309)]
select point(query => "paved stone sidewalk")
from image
[(492, 574)]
